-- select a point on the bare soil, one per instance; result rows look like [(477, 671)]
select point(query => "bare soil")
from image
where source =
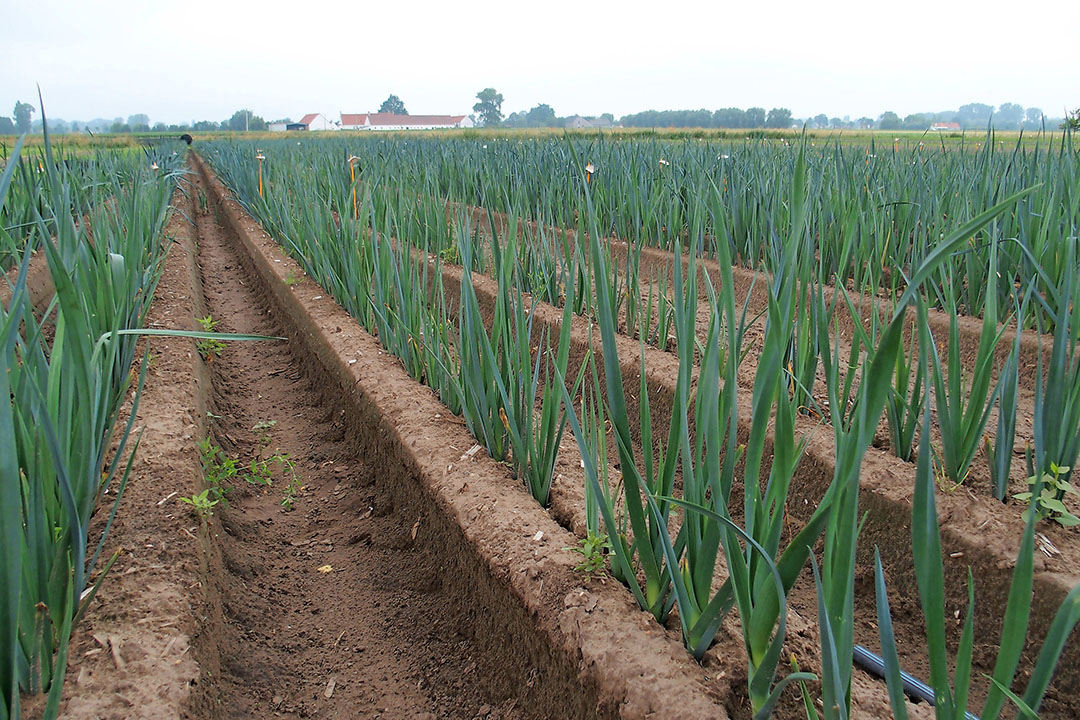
[(329, 609)]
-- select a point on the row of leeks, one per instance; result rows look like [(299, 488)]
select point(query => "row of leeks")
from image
[(874, 213), (86, 180), (63, 445), (668, 559)]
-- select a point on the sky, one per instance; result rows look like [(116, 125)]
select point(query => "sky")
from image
[(205, 59)]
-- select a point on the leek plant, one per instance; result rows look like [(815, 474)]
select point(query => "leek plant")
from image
[(963, 405), (1057, 391), (951, 694), (835, 583), (904, 405), (63, 411), (759, 576), (999, 452)]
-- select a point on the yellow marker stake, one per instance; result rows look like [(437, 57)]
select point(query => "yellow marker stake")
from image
[(352, 177), (260, 157)]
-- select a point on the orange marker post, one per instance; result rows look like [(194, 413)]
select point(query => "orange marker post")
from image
[(352, 177), (260, 157)]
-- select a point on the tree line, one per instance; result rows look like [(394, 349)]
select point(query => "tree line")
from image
[(22, 121), (488, 112)]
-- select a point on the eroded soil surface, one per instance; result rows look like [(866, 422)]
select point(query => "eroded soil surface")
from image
[(328, 609)]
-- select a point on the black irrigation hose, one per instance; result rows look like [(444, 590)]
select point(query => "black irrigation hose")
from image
[(913, 687)]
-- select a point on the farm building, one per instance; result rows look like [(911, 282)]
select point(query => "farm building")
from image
[(579, 123), (313, 121), (390, 121), (939, 126)]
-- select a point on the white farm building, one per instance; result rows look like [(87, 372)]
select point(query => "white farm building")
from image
[(314, 121), (390, 121)]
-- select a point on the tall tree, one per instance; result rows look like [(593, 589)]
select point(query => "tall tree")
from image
[(889, 121), (755, 117), (393, 105), (974, 115), (23, 111), (821, 121), (729, 118), (779, 118), (1008, 116), (489, 107), (1033, 116), (244, 120), (6, 126), (916, 121), (541, 116)]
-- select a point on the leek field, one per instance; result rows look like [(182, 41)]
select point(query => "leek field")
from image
[(814, 403)]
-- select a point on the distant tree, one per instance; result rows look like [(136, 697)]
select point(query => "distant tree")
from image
[(280, 121), (821, 121), (74, 126), (7, 127), (1009, 116), (1033, 116), (138, 119), (23, 111), (1072, 120), (864, 123), (393, 105), (779, 118), (541, 116), (160, 127), (119, 127), (974, 115), (755, 117), (916, 121), (729, 118), (244, 120), (608, 117), (516, 120), (489, 107), (205, 125), (836, 123), (889, 121)]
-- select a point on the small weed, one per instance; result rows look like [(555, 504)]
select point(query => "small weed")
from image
[(208, 347), (202, 503), (594, 550), (1049, 504), (291, 278), (292, 489), (218, 469), (204, 204), (263, 428), (451, 254)]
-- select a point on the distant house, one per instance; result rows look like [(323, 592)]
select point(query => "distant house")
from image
[(313, 121), (940, 126), (278, 127), (391, 121), (578, 122)]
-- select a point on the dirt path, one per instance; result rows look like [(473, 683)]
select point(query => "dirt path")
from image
[(328, 608)]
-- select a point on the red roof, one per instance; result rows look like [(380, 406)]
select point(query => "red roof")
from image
[(353, 119), (309, 118), (390, 119)]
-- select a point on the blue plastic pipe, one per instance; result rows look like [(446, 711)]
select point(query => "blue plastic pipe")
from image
[(913, 687)]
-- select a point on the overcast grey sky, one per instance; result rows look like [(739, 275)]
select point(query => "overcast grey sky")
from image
[(204, 59)]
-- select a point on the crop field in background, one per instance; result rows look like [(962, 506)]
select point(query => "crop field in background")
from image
[(811, 400)]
